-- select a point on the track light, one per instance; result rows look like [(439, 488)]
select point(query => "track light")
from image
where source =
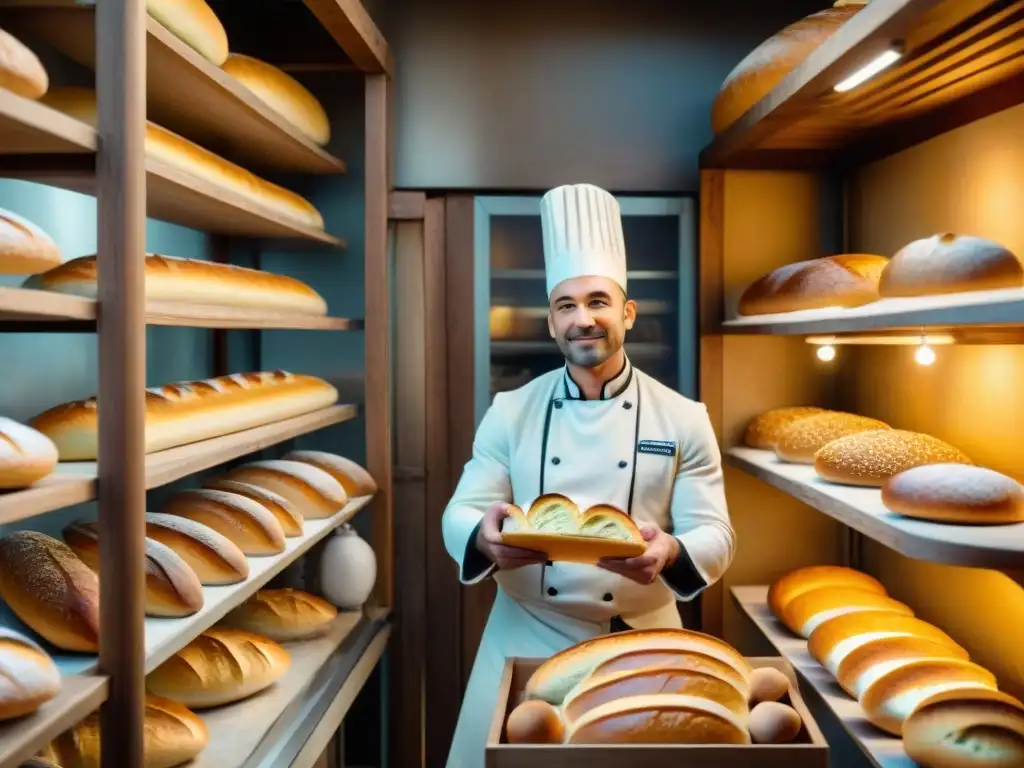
[(879, 63)]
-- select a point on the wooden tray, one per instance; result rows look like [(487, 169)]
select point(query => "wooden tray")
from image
[(573, 549)]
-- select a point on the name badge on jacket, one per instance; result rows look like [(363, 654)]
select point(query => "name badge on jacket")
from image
[(658, 447)]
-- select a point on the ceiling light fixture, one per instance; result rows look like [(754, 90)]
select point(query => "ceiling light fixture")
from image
[(878, 64)]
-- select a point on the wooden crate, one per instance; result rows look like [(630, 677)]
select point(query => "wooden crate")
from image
[(808, 750)]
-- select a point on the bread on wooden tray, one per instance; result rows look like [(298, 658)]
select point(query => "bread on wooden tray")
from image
[(25, 248), (176, 279), (51, 590), (21, 71), (659, 719), (353, 478), (867, 662), (768, 64), (283, 94), (955, 493), (213, 557), (250, 525), (767, 684), (791, 585), (28, 676), (194, 23), (314, 493), (800, 441), (950, 263), (847, 280), (220, 666), (772, 722), (283, 615), (285, 512), (870, 458), (172, 587), (26, 455), (187, 412), (172, 735), (670, 659), (764, 429), (811, 609)]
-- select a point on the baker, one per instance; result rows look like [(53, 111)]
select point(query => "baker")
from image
[(597, 430)]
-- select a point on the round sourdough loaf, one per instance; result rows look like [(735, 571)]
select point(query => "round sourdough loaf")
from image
[(194, 23), (795, 583), (314, 493), (801, 440), (870, 458), (663, 718), (810, 609), (848, 280), (25, 248), (955, 493), (950, 263), (29, 676), (353, 478), (214, 558), (26, 455), (247, 523), (283, 615), (866, 663), (285, 512), (763, 430), (21, 72)]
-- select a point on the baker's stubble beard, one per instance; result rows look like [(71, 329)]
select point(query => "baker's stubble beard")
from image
[(590, 356)]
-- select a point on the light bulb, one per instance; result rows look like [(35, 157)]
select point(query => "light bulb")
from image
[(826, 353), (924, 355)]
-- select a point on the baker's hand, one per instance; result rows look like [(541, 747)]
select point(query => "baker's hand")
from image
[(488, 541), (662, 551)]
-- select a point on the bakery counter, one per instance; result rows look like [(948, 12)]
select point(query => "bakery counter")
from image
[(861, 508)]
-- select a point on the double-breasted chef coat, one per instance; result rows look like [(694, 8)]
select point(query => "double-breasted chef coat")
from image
[(641, 447)]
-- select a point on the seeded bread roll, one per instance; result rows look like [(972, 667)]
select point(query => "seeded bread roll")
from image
[(215, 559), (283, 615), (811, 609), (659, 719), (871, 458), (848, 280), (26, 455), (865, 664), (21, 72), (195, 23), (51, 590), (285, 512), (247, 523), (763, 430), (955, 493), (950, 263), (25, 248), (799, 441), (353, 478), (788, 587), (28, 676), (313, 492)]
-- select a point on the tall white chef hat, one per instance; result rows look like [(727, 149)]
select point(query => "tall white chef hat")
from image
[(582, 228)]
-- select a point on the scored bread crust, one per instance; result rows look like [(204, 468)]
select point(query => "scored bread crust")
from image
[(863, 665), (950, 263), (247, 523), (763, 430), (955, 493), (24, 247), (796, 582), (670, 658), (213, 557), (313, 492), (26, 454), (801, 440), (870, 458), (810, 609), (659, 719), (285, 512), (353, 478), (846, 280), (283, 615)]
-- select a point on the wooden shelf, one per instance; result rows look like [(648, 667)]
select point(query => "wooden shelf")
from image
[(69, 484), (79, 697), (997, 546), (350, 25), (883, 750), (28, 127), (185, 93), (961, 61)]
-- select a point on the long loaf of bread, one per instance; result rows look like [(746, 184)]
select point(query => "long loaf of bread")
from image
[(186, 412), (846, 280), (25, 248), (29, 676), (214, 558), (26, 455), (283, 615)]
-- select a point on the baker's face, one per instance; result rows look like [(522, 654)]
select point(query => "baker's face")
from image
[(588, 318)]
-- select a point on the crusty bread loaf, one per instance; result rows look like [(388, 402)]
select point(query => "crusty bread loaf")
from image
[(966, 728), (172, 735), (670, 658), (247, 523), (283, 94), (285, 512), (801, 440), (28, 676), (811, 609), (768, 64), (51, 590), (172, 278), (870, 458), (170, 149), (848, 280), (218, 667), (313, 492), (950, 263), (213, 557), (21, 72), (25, 248), (866, 663), (893, 696), (796, 582), (955, 493), (172, 588), (353, 478), (763, 430), (187, 412), (26, 455), (283, 615), (194, 23), (659, 719)]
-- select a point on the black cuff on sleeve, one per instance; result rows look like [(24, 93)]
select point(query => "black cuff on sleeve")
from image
[(474, 562), (682, 576)]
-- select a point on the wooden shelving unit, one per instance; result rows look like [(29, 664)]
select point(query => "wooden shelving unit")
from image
[(32, 128)]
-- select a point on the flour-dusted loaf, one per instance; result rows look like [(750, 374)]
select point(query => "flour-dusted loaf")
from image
[(172, 735), (220, 666), (190, 411), (283, 615), (763, 430), (955, 493), (801, 440), (791, 585), (25, 248), (283, 94), (21, 72), (28, 676), (950, 263), (176, 279), (966, 728), (26, 455), (51, 590), (811, 609), (354, 479), (848, 280), (662, 718), (213, 557), (195, 24), (172, 587), (250, 525), (313, 492), (870, 458), (768, 64), (869, 661), (285, 511)]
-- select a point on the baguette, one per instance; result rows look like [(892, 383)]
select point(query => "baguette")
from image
[(172, 278), (283, 615), (848, 280), (353, 478), (763, 430), (865, 664), (811, 609), (659, 719), (245, 522), (949, 263), (955, 493), (187, 412), (872, 457), (797, 582), (172, 588), (28, 676), (285, 512), (25, 248), (194, 23), (313, 492), (50, 590), (213, 557), (26, 455), (21, 71)]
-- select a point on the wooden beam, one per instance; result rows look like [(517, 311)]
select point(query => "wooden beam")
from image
[(351, 26), (406, 205)]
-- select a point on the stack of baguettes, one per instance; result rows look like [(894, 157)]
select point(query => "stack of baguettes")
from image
[(910, 678)]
